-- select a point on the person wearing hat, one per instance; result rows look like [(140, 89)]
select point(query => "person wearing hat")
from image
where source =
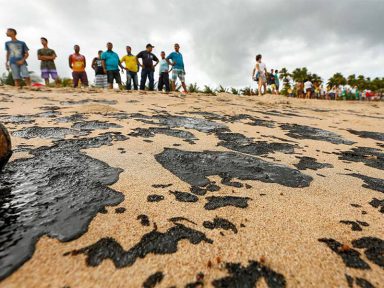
[(148, 67)]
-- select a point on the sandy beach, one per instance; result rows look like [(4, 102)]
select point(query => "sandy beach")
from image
[(143, 189)]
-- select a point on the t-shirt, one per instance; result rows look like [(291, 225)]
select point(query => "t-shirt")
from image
[(177, 58), (47, 64), (78, 62), (277, 81), (308, 85), (130, 63), (148, 59), (164, 66), (111, 59), (99, 66), (16, 49), (262, 68)]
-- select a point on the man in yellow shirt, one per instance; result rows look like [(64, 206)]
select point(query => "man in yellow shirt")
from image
[(131, 68)]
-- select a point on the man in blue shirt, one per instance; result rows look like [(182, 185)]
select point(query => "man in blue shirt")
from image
[(17, 54), (111, 64), (178, 67)]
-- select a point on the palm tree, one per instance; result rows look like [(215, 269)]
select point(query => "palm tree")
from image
[(337, 79), (300, 74), (284, 76)]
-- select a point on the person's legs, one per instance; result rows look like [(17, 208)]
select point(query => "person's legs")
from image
[(128, 85), (16, 74), (144, 74), (166, 82), (160, 83), (25, 74), (110, 79), (173, 81), (151, 80), (76, 78), (135, 80), (45, 76), (54, 76), (181, 76), (116, 75), (84, 79)]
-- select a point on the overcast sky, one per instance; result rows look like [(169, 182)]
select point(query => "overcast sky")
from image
[(219, 38)]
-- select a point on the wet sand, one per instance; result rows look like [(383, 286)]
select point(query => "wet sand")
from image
[(118, 189)]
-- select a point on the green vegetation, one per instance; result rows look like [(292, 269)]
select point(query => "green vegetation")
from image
[(209, 90)]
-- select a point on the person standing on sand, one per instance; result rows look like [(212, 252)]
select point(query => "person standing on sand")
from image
[(148, 68), (17, 54), (178, 68), (131, 68), (164, 73), (47, 57), (100, 76), (78, 63), (277, 81), (308, 88), (111, 64), (261, 74)]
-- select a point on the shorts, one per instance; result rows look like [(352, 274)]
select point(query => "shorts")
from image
[(46, 72), (19, 71), (113, 75), (101, 81), (178, 73), (262, 78)]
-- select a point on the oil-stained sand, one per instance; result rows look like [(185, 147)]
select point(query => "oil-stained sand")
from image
[(230, 191)]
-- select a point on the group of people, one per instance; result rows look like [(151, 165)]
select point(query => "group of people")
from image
[(107, 66), (265, 79), (316, 90)]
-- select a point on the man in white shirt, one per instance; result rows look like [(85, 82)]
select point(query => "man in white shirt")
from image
[(308, 88)]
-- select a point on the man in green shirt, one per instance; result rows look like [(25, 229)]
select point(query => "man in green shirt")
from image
[(47, 57)]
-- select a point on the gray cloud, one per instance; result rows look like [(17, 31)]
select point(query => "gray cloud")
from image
[(219, 38)]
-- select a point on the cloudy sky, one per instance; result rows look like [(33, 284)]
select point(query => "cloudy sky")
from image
[(219, 38)]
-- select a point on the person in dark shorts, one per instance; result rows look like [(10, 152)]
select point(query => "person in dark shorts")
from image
[(47, 57), (100, 76), (17, 54), (111, 64), (77, 63), (148, 68), (164, 74)]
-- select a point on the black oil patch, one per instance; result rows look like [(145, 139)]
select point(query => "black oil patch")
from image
[(351, 257), (376, 203), (152, 131), (184, 196), (72, 118), (215, 202), (85, 101), (16, 119), (243, 144), (153, 280), (171, 121), (363, 283), (144, 220), (311, 163), (154, 242), (120, 210), (95, 125), (370, 182), (220, 223), (371, 157), (355, 225), (306, 132), (248, 277), (47, 132), (198, 191), (195, 168), (161, 185), (367, 134), (374, 249), (178, 219), (263, 123), (55, 193), (155, 198)]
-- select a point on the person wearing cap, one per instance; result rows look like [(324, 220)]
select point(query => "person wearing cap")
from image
[(148, 68), (100, 75), (178, 68), (111, 64), (131, 68)]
